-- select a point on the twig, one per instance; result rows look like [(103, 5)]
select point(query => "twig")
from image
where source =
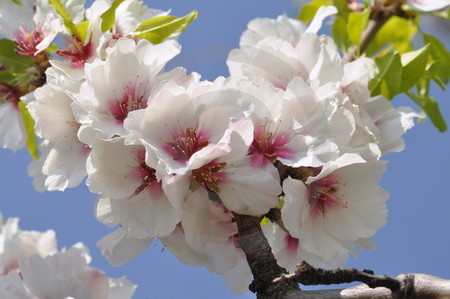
[(309, 275)]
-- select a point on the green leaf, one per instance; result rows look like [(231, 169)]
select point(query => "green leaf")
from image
[(356, 23), (414, 64), (439, 68), (339, 33), (109, 16), (61, 10), (397, 32), (82, 29), (310, 9), (29, 128), (158, 29), (431, 108), (265, 221), (18, 2), (10, 60), (388, 81), (281, 203)]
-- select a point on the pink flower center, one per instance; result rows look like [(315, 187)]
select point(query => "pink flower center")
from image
[(210, 176), (131, 100), (147, 175), (26, 41), (78, 53), (323, 195), (185, 143), (269, 145)]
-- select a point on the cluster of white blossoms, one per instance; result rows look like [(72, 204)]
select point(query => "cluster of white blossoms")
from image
[(31, 267), (293, 129)]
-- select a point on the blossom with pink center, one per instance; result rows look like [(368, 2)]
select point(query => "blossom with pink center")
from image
[(64, 163), (27, 41), (339, 206), (293, 126), (202, 136), (130, 193), (123, 83), (289, 253), (78, 52)]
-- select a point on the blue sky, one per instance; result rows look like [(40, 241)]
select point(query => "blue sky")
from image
[(416, 238)]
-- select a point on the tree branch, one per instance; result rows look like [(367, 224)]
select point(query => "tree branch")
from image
[(379, 15), (261, 260)]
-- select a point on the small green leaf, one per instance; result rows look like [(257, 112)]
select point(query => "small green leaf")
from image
[(10, 60), (431, 108), (388, 81), (356, 23), (265, 221), (339, 32), (82, 29), (414, 64), (281, 203), (18, 2), (158, 29), (439, 68), (29, 128), (61, 10), (397, 32), (109, 16), (310, 9)]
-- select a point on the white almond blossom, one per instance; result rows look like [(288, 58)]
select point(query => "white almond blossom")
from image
[(16, 244), (290, 126), (342, 203), (64, 163), (203, 139), (31, 267), (289, 253), (122, 83), (131, 194)]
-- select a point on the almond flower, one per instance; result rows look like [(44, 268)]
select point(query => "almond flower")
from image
[(32, 268), (340, 203)]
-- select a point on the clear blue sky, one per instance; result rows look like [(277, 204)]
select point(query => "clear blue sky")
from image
[(416, 238)]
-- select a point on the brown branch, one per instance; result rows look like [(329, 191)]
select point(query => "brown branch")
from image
[(381, 286), (309, 275), (379, 15), (261, 260)]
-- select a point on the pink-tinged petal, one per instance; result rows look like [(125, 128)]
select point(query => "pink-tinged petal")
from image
[(176, 188), (178, 246), (65, 167), (12, 128), (196, 219), (146, 216), (238, 279), (259, 160), (295, 202), (121, 178), (249, 191), (118, 248), (222, 256)]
